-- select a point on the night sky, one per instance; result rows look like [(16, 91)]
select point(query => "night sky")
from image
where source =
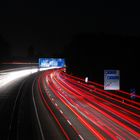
[(49, 26), (32, 29)]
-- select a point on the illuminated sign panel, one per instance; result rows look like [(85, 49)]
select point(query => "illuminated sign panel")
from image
[(111, 79), (51, 62)]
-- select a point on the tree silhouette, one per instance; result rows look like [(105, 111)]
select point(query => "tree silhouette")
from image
[(31, 51), (5, 50)]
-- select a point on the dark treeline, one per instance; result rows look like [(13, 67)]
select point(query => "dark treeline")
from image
[(5, 51), (89, 54)]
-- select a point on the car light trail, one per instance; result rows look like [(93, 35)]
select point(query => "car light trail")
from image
[(46, 104), (7, 77), (102, 113), (100, 91), (99, 110), (79, 117), (90, 98), (90, 83)]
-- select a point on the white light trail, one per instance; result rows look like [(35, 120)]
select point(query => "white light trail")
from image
[(6, 78)]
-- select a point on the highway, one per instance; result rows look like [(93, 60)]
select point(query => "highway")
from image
[(12, 81), (51, 104)]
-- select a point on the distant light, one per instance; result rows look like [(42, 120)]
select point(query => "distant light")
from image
[(86, 79)]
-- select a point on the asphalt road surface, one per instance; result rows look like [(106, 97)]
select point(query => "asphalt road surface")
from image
[(50, 104)]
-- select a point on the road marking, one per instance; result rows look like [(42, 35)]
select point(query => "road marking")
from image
[(14, 107), (42, 135), (118, 137), (81, 137), (61, 111), (56, 104), (69, 122)]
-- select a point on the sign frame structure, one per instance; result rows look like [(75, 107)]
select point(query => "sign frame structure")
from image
[(111, 79)]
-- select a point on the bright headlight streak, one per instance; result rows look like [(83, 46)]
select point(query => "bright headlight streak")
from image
[(11, 76)]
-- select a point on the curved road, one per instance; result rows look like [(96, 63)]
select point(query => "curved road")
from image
[(54, 105)]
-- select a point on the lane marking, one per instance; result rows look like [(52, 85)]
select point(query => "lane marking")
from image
[(61, 111), (39, 124), (81, 137), (69, 122), (14, 107)]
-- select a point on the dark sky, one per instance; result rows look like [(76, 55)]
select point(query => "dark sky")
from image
[(50, 25), (93, 35)]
